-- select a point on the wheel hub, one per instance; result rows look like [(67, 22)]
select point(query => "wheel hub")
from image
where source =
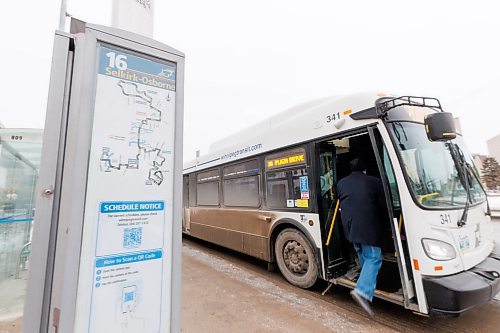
[(295, 256)]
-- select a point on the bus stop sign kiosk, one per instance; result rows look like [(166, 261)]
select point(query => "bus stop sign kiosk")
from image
[(112, 255)]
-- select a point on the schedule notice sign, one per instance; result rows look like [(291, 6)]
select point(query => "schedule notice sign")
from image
[(130, 191)]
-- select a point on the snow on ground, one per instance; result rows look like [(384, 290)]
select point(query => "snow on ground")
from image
[(332, 320)]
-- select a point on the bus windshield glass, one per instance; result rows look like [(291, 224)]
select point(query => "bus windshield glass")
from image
[(432, 173)]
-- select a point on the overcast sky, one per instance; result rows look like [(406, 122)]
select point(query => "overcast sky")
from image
[(248, 60)]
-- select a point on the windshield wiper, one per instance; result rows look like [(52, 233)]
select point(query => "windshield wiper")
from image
[(473, 172), (461, 164)]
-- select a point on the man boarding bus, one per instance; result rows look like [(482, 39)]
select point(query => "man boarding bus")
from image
[(362, 205)]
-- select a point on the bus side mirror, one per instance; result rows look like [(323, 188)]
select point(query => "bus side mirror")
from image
[(440, 126)]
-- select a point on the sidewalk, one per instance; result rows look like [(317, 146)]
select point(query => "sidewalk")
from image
[(12, 293), (220, 297)]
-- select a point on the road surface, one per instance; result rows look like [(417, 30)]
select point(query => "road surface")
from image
[(236, 293)]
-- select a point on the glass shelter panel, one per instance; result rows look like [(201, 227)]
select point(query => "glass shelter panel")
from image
[(19, 160)]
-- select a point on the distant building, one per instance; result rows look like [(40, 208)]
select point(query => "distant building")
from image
[(26, 142), (494, 147)]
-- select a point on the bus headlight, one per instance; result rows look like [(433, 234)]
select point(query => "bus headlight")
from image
[(438, 250)]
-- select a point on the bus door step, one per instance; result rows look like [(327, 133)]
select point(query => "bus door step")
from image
[(352, 274), (397, 297), (337, 268)]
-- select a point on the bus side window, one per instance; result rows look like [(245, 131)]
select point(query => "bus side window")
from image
[(276, 195), (240, 186), (241, 192), (207, 188), (286, 189), (287, 182), (277, 189)]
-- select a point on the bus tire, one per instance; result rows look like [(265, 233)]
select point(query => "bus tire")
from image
[(296, 258)]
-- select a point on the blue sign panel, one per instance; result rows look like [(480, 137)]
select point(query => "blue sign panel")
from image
[(126, 66), (304, 184)]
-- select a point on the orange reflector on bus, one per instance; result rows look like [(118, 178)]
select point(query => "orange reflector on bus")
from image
[(415, 264), (438, 268), (346, 112)]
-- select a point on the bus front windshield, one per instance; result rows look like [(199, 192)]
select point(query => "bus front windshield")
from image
[(431, 170)]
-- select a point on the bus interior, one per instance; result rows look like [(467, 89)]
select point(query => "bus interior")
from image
[(343, 266)]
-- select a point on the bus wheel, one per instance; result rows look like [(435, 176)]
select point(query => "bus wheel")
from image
[(295, 258)]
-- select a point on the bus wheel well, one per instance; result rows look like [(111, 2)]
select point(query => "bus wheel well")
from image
[(295, 254), (285, 224)]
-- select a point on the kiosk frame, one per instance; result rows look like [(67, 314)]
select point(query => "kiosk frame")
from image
[(57, 248)]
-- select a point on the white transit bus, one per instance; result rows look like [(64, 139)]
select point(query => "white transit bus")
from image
[(270, 192)]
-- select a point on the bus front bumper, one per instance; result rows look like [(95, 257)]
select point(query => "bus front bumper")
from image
[(455, 294)]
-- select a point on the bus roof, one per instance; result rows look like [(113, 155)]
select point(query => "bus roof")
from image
[(304, 122)]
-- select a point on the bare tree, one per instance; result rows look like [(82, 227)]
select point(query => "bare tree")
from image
[(491, 173)]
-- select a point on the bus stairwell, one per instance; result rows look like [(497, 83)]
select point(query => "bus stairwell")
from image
[(342, 263), (337, 264)]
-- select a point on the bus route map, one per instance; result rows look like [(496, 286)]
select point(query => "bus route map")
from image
[(145, 98)]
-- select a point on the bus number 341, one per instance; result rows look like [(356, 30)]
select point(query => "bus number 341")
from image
[(445, 218), (333, 117)]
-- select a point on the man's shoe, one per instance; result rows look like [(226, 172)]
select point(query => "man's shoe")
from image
[(361, 302)]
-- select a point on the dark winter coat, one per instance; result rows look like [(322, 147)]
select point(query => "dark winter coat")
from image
[(363, 208)]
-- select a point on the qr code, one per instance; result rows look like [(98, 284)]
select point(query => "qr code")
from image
[(128, 296), (132, 237)]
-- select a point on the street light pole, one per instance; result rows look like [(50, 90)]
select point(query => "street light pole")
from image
[(62, 16)]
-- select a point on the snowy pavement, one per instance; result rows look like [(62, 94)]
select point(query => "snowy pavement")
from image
[(224, 297)]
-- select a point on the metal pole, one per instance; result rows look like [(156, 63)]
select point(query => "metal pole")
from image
[(62, 16)]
